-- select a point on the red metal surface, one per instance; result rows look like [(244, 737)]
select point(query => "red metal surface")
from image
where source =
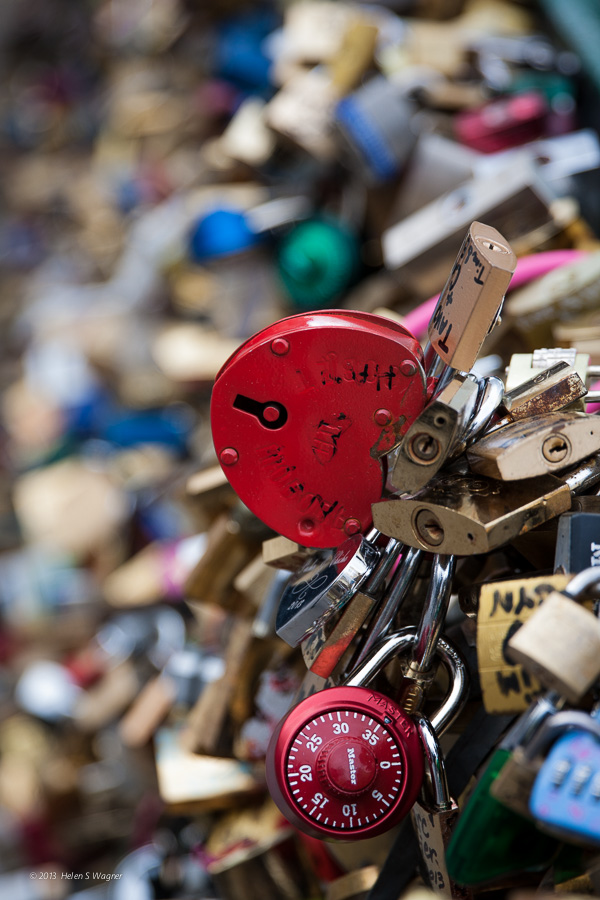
[(297, 415), (345, 763), (503, 123)]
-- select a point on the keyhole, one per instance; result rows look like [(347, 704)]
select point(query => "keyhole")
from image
[(429, 528), (555, 448), (271, 414), (424, 447)]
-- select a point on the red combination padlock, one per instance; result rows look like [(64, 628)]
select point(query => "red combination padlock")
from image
[(303, 413), (347, 762)]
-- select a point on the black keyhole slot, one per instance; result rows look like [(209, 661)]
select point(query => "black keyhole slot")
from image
[(271, 414)]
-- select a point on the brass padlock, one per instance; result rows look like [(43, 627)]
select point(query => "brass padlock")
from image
[(560, 643), (536, 446), (462, 513)]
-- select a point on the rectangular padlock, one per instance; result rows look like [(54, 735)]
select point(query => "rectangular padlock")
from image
[(229, 549), (374, 123), (209, 725), (303, 109), (527, 366), (472, 296), (535, 446), (463, 513), (552, 389), (437, 166), (558, 297), (281, 553), (429, 441), (578, 541), (191, 783)]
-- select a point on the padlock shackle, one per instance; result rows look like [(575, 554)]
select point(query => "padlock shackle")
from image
[(586, 474), (435, 767), (581, 582), (434, 612), (488, 400), (558, 724), (388, 557), (402, 580), (399, 643)]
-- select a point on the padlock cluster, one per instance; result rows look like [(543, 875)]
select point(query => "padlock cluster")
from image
[(463, 468)]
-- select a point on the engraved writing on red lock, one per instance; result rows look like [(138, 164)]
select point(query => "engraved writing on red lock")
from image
[(346, 763), (303, 412)]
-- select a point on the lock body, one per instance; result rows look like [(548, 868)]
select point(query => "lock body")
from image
[(302, 414), (564, 798), (346, 763)]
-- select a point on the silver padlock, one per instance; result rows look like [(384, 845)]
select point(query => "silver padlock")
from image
[(327, 581), (433, 817)]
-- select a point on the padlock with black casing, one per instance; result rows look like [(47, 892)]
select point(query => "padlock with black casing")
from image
[(578, 539)]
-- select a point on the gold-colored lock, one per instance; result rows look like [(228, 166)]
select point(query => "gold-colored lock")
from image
[(462, 513), (560, 645), (281, 553), (536, 446)]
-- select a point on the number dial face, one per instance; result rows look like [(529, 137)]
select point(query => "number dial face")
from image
[(346, 763), (302, 414)]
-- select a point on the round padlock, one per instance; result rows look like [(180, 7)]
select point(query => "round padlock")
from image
[(303, 413), (347, 762)]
